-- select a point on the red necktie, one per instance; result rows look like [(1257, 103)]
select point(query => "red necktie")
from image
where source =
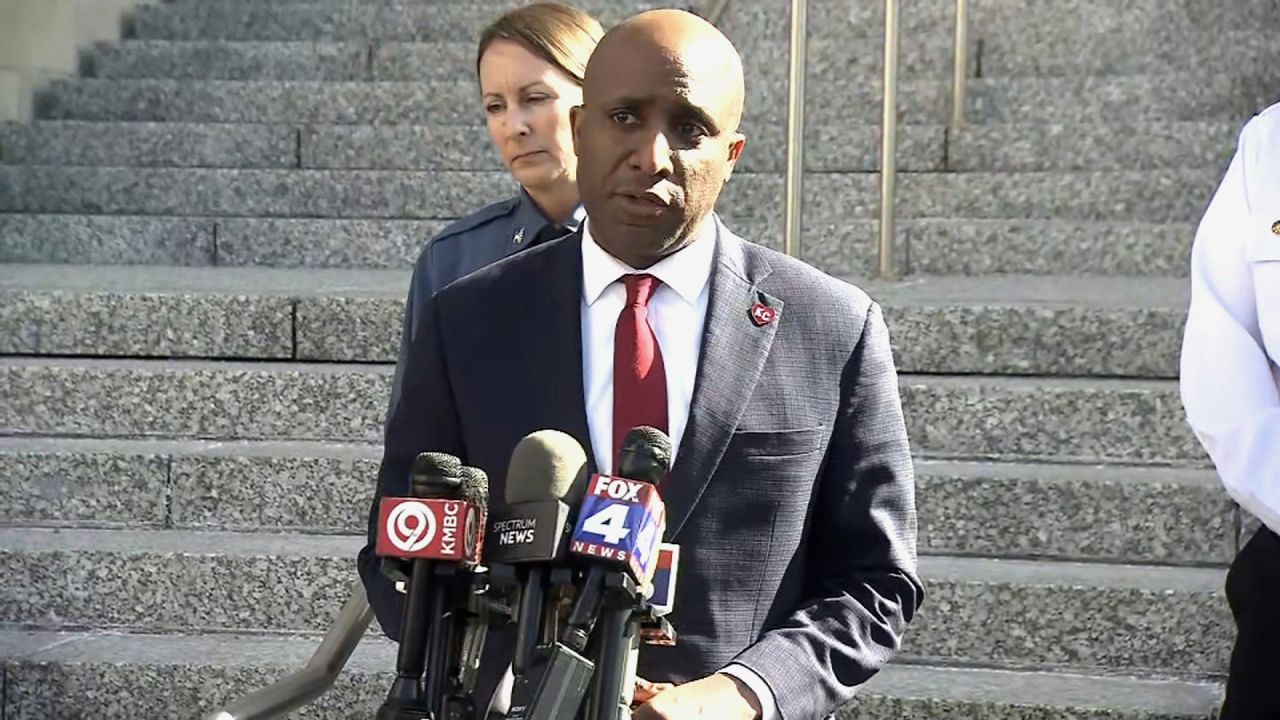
[(639, 377)]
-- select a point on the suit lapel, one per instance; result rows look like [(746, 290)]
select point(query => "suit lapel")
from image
[(734, 351), (555, 355)]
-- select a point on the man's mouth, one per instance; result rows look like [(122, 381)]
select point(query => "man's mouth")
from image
[(646, 197)]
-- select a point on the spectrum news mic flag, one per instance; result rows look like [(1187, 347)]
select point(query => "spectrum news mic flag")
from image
[(527, 538), (438, 530), (616, 536)]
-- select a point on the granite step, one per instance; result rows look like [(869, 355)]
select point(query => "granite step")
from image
[(1091, 146), (1069, 419), (148, 144), (262, 60), (1189, 97), (1003, 54), (306, 21), (1057, 419), (1011, 510), (922, 148), (1073, 615), (131, 675), (1085, 616), (935, 247), (1013, 325), (945, 246), (751, 200), (745, 23), (1150, 45), (159, 240), (395, 60), (400, 147)]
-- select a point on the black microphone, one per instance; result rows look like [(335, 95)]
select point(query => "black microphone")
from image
[(450, 616), (438, 476), (610, 604)]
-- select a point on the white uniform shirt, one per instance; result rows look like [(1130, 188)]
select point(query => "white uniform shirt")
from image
[(1230, 377)]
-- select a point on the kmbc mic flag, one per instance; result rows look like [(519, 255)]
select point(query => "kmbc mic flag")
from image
[(622, 521), (430, 528)]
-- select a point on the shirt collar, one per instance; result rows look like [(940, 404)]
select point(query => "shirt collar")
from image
[(529, 219), (686, 272)]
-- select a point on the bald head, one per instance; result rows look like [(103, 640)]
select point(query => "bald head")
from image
[(681, 42), (657, 133)]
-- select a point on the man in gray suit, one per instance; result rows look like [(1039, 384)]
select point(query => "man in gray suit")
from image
[(791, 492)]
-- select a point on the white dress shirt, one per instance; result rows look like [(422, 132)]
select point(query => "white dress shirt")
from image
[(677, 314), (1230, 379)]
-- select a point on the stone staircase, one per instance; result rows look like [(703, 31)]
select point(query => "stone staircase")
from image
[(206, 245)]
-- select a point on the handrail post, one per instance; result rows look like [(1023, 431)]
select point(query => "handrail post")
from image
[(795, 128), (960, 73), (716, 11), (889, 145)]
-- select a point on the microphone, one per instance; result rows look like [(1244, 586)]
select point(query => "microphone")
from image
[(476, 628), (450, 615), (411, 528), (547, 468), (619, 529)]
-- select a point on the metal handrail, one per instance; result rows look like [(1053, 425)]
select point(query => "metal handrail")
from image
[(716, 12), (317, 676), (795, 128), (960, 72), (889, 144)]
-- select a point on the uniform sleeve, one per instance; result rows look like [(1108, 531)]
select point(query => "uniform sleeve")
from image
[(1228, 383), (419, 418)]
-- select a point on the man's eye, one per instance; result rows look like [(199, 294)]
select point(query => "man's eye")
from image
[(692, 130), (624, 117)]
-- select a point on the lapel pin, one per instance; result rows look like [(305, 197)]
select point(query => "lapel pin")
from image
[(519, 237), (762, 314), (1275, 228)]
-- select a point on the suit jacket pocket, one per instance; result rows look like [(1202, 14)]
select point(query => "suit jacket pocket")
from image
[(777, 443)]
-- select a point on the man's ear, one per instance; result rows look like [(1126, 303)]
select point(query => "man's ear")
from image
[(736, 146), (575, 116)]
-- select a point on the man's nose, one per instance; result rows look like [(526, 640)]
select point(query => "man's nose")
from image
[(653, 156)]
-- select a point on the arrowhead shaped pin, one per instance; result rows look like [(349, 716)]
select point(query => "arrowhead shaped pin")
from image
[(762, 314)]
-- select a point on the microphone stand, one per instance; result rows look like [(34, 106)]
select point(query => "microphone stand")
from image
[(618, 630)]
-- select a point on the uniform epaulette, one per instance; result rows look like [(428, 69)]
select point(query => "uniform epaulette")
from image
[(477, 218)]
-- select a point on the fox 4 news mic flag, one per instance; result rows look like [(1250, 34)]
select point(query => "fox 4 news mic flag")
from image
[(430, 528), (623, 521)]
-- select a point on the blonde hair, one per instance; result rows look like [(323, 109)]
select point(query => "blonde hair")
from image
[(560, 34)]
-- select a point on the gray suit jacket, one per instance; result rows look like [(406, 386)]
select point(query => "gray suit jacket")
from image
[(792, 495)]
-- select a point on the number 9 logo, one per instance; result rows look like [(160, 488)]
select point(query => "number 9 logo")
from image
[(411, 526)]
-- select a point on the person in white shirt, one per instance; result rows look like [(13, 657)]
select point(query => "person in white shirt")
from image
[(1230, 382)]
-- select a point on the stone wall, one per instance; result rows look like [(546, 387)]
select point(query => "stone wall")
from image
[(41, 40)]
